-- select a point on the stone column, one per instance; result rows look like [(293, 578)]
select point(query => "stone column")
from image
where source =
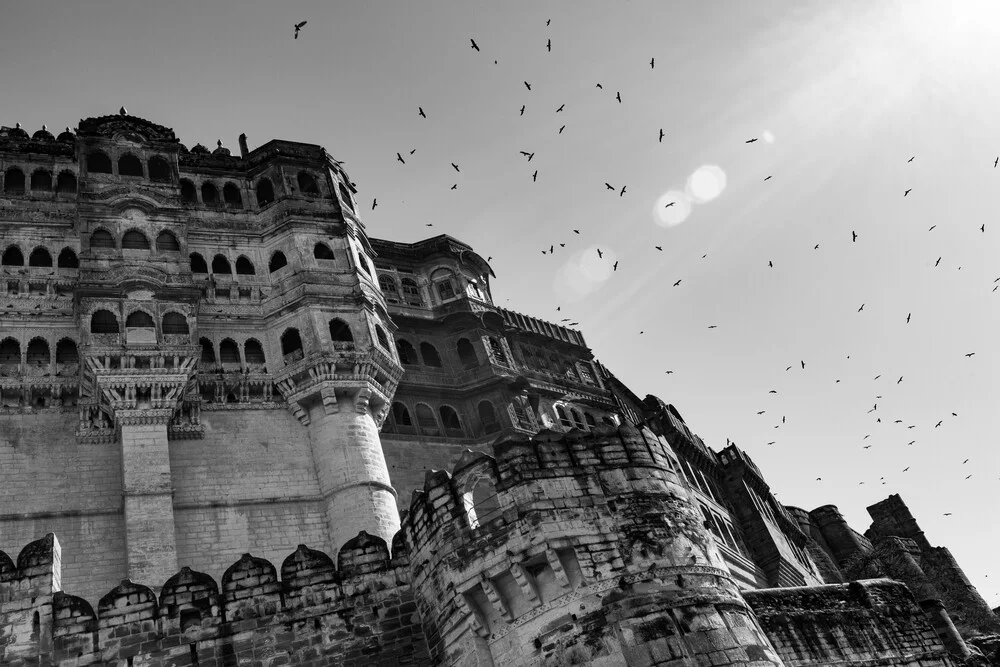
[(945, 629), (151, 544)]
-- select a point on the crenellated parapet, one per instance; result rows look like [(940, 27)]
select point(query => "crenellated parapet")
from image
[(316, 613), (580, 546)]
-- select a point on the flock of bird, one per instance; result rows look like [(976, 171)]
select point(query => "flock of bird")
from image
[(621, 192)]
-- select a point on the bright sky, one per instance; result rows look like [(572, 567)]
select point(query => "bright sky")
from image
[(840, 96)]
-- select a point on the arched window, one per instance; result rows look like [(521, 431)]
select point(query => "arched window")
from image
[(189, 194), (482, 505), (322, 251), (407, 354), (98, 162), (400, 415), (129, 165), (345, 197), (291, 346), (221, 265), (563, 419), (467, 353), (229, 351), (590, 419), (488, 416), (340, 331), (388, 286), (450, 419), (430, 355), (135, 240), (577, 418), (425, 418), (167, 242), (38, 352), (498, 354), (381, 338), (13, 181), (41, 181), (609, 421), (159, 169), (12, 256), (265, 192), (278, 261), (103, 322), (198, 264), (66, 352), (102, 240), (66, 183), (209, 194), (231, 194), (307, 184), (67, 260), (10, 352), (411, 293), (139, 319), (363, 265), (254, 352), (175, 323), (244, 266), (207, 351), (40, 257)]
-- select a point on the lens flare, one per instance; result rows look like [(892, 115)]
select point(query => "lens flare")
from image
[(706, 183), (583, 273), (767, 136), (672, 208)]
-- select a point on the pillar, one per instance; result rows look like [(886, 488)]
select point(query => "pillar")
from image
[(151, 543), (945, 629)]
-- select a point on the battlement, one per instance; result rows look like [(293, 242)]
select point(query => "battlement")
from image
[(314, 611)]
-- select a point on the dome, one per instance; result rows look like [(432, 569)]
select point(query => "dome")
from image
[(17, 133), (198, 149), (221, 150), (43, 135), (67, 135)]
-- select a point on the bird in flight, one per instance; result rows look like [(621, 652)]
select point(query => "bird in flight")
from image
[(400, 158), (772, 392), (816, 247), (908, 317), (455, 166), (548, 21), (861, 308), (529, 155), (374, 203), (298, 26), (761, 412), (968, 476), (490, 258), (614, 267), (770, 263), (854, 236), (932, 228), (670, 204), (623, 190), (528, 85), (609, 186), (668, 372), (455, 187), (907, 192), (712, 326), (600, 86), (576, 231), (995, 162), (429, 224), (522, 109), (937, 262), (651, 62), (911, 159), (422, 114), (474, 45), (413, 151), (599, 253), (939, 423), (898, 381), (561, 107), (803, 364), (768, 178), (561, 129), (970, 354), (548, 45), (947, 513), (750, 141), (618, 96), (534, 176), (983, 228), (661, 135), (677, 283), (660, 248)]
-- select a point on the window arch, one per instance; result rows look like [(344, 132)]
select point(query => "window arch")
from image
[(135, 240), (426, 420), (278, 261), (66, 183), (577, 418), (229, 351), (400, 415), (104, 322), (167, 242), (254, 352), (322, 251), (129, 165), (175, 323), (13, 181), (563, 419), (159, 169), (609, 421), (411, 293), (40, 257), (406, 351), (198, 264), (221, 265), (10, 352), (467, 353), (207, 351), (449, 418), (41, 180), (307, 184), (67, 259), (430, 355), (345, 196), (244, 266), (231, 195), (488, 416), (38, 353), (139, 318), (498, 352), (388, 286), (209, 194), (381, 338), (482, 505), (66, 352), (340, 331), (265, 192), (102, 239), (291, 345), (98, 162), (12, 256), (591, 422), (189, 194)]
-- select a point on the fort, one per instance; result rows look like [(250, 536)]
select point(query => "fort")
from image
[(237, 430)]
